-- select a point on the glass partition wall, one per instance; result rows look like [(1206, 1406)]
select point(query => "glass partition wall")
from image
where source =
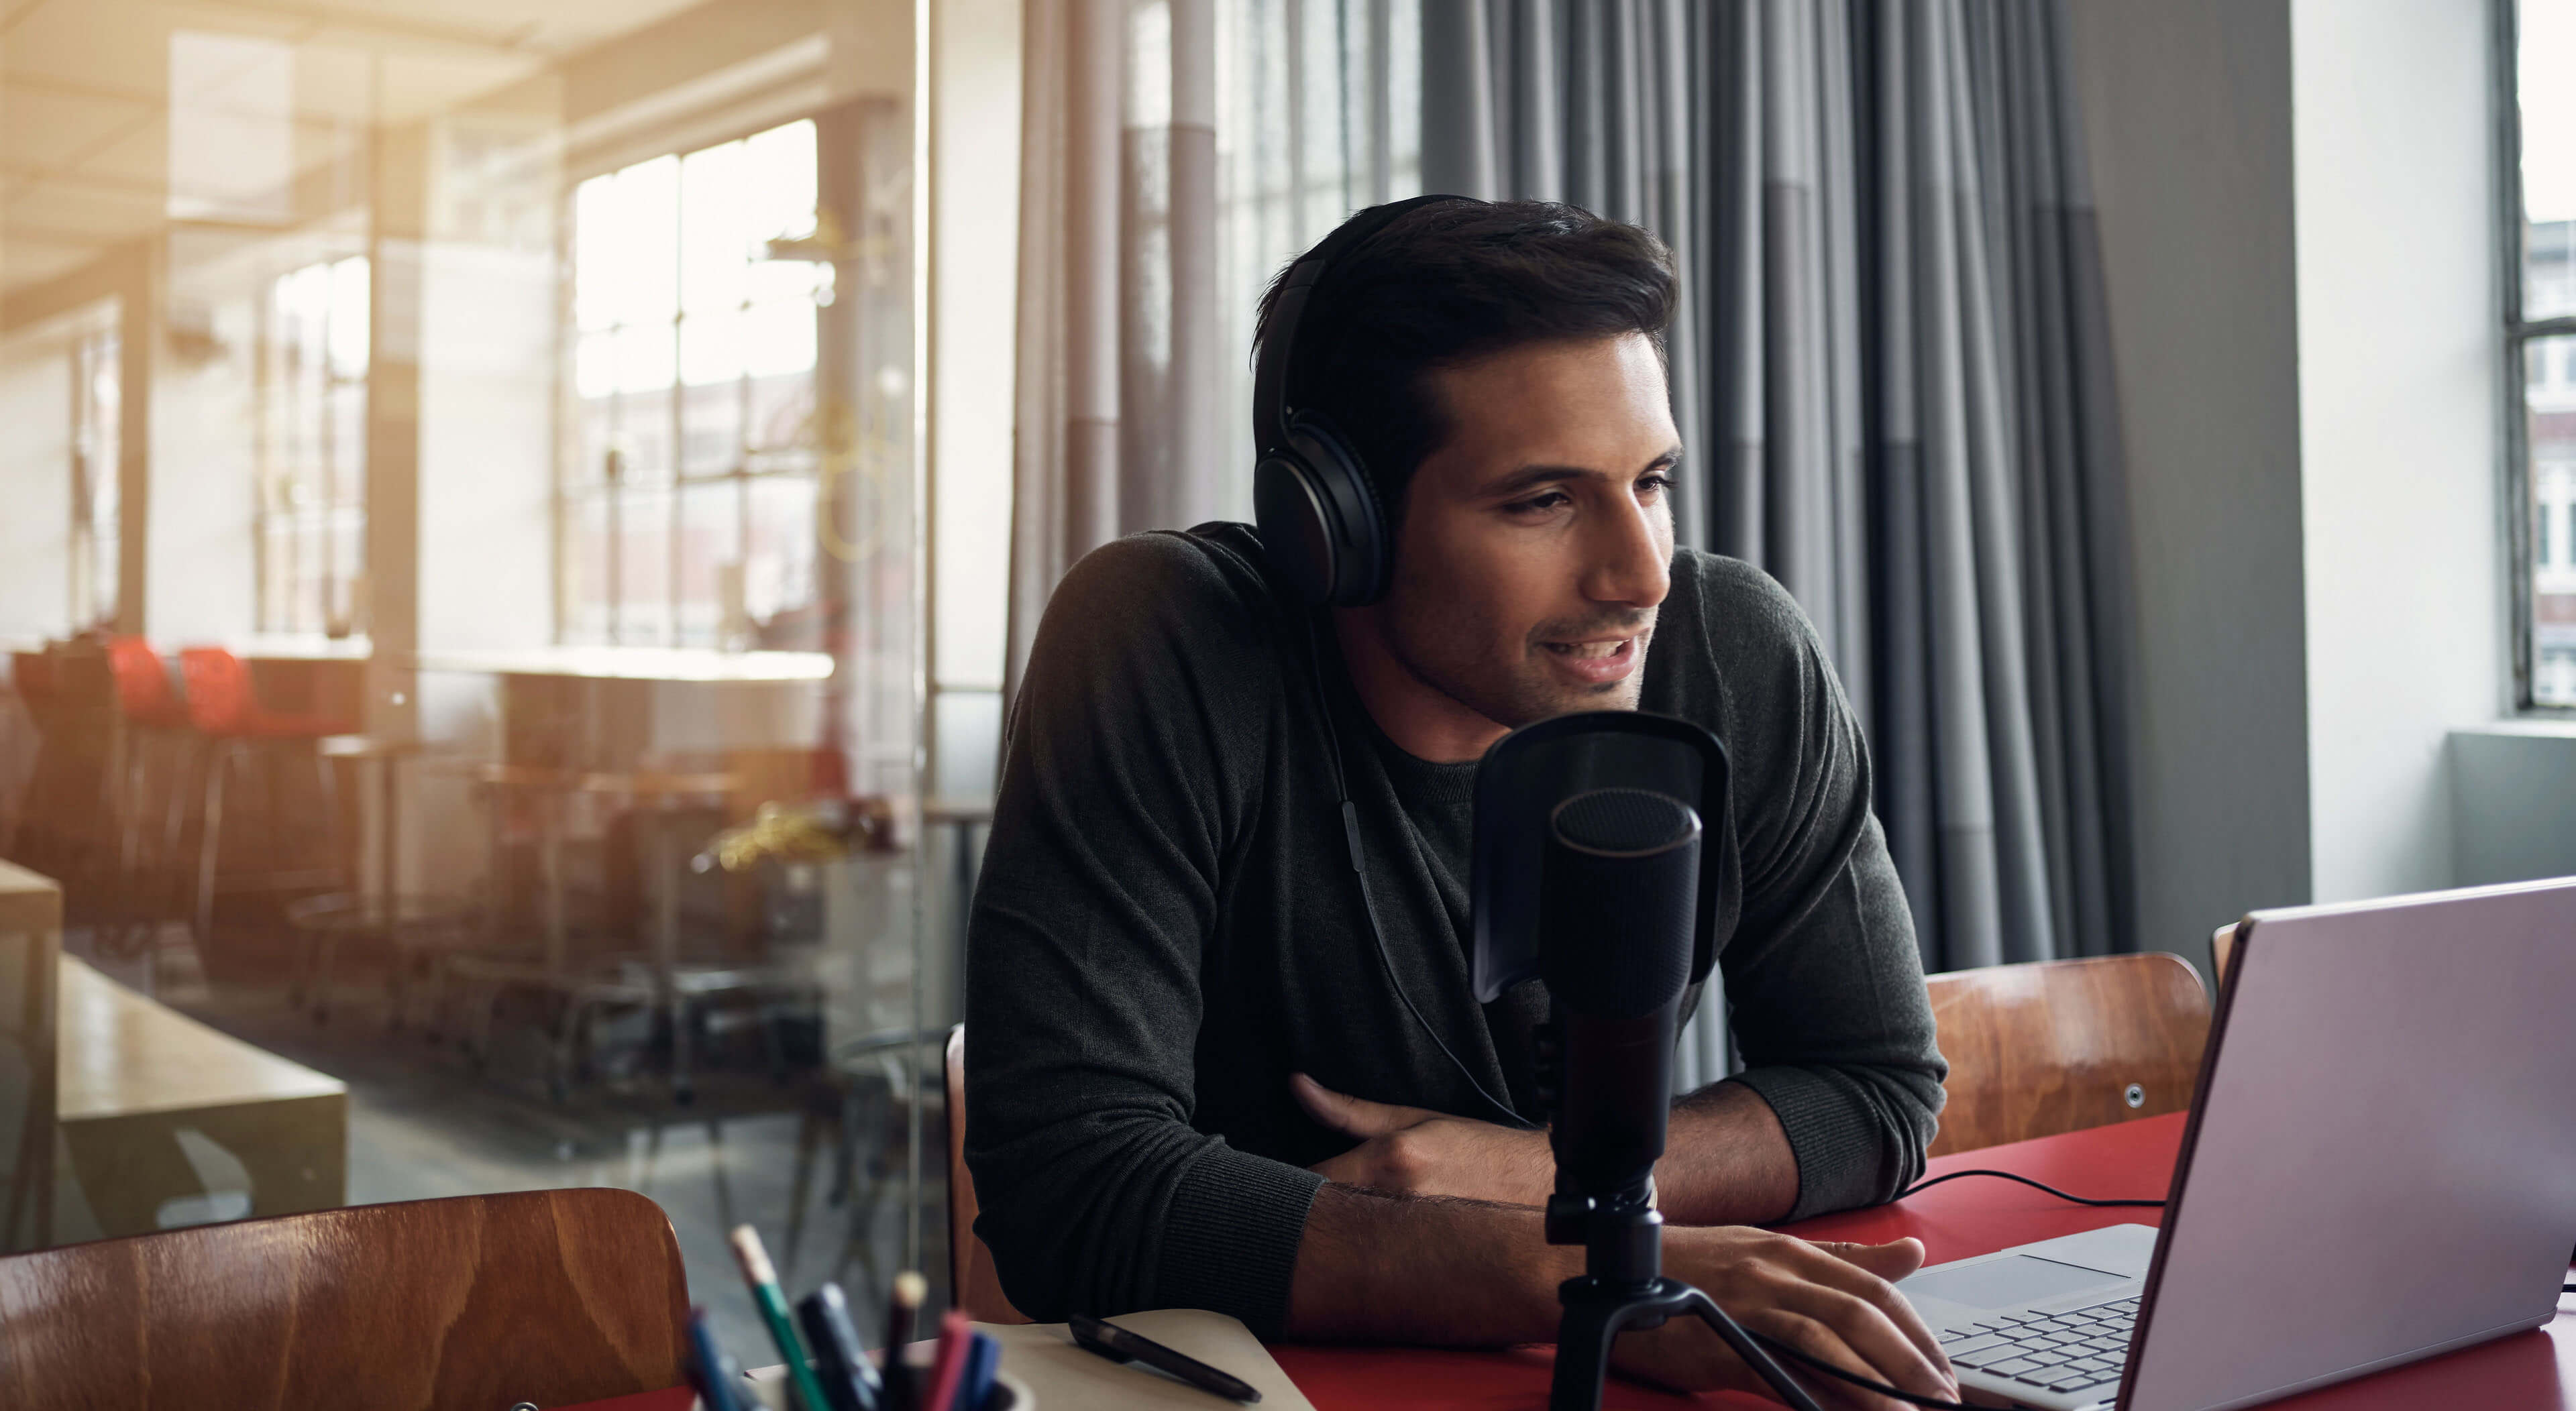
[(460, 570)]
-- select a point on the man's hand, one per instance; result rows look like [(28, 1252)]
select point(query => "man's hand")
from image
[(1833, 1302), (1414, 1151)]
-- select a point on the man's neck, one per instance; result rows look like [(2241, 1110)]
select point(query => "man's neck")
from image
[(1423, 720)]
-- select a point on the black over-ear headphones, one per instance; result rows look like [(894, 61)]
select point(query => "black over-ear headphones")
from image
[(1323, 524)]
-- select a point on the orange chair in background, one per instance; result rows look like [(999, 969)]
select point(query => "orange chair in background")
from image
[(224, 707)]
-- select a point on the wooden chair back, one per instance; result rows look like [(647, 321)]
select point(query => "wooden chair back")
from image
[(475, 1303), (978, 1288), (2061, 1045)]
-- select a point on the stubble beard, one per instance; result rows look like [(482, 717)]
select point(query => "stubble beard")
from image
[(1442, 644)]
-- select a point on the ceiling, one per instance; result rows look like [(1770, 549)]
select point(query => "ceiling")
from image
[(87, 100)]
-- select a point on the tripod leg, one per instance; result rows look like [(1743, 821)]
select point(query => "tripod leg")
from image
[(1583, 1339), (1746, 1348)]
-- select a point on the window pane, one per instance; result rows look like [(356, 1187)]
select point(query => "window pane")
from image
[(595, 365), (778, 570), (710, 565), (585, 568), (715, 240), (781, 407), (2548, 101), (644, 568), (711, 347), (644, 438), (711, 428), (779, 174), (597, 219), (779, 338), (643, 254), (2552, 401), (349, 318), (644, 361)]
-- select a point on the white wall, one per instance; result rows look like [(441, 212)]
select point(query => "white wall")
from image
[(974, 213), (974, 107), (2398, 359), (2187, 129), (36, 487)]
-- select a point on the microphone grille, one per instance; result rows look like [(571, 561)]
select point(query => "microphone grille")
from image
[(1624, 822)]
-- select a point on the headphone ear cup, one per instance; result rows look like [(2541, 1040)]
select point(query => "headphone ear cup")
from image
[(1297, 532), (1349, 499)]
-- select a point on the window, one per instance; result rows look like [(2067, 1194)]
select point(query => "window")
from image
[(310, 518), (685, 502), (2540, 330), (96, 455)]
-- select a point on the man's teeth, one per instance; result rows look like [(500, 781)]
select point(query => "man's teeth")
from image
[(1588, 649)]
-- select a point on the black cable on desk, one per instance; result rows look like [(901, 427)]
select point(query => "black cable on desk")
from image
[(2027, 1181)]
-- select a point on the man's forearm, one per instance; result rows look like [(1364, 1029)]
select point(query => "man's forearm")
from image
[(1726, 1161), (1368, 1258), (1433, 1270)]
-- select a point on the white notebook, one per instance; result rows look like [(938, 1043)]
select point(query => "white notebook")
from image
[(1061, 1376)]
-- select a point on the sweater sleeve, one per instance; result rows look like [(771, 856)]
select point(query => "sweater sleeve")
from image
[(1132, 745), (1822, 973)]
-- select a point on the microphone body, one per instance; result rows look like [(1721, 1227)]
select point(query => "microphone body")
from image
[(1617, 899)]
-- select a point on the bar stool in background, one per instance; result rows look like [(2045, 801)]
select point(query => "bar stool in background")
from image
[(496, 962), (410, 932), (226, 710), (662, 981), (156, 735)]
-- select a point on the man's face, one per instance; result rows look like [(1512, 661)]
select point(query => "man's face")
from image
[(1537, 543)]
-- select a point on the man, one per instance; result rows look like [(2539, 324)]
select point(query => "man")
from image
[(1195, 1077)]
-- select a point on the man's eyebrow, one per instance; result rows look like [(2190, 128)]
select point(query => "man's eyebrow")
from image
[(1530, 477)]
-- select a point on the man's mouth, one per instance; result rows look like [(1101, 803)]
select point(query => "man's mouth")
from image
[(1596, 662)]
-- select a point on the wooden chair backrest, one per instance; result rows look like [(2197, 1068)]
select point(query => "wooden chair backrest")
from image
[(970, 1263), (469, 1304), (2060, 1045)]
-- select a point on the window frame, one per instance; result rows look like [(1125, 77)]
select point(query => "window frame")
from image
[(2521, 486), (569, 494)]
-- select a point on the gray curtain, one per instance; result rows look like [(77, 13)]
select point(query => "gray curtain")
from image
[(1175, 153), (1892, 375)]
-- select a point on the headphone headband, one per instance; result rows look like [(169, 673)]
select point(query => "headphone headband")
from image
[(1270, 405)]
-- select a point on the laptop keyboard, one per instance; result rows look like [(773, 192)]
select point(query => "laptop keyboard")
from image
[(2060, 1352)]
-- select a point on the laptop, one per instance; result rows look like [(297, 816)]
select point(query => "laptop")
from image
[(2379, 1166)]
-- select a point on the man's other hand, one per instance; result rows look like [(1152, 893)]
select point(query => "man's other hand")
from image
[(1834, 1302), (1414, 1151)]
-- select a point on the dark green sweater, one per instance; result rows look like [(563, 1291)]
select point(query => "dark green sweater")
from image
[(1167, 927)]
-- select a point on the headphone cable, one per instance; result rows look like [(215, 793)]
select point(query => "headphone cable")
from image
[(1368, 904)]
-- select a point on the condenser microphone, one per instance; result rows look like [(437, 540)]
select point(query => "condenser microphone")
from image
[(1589, 876), (1618, 918)]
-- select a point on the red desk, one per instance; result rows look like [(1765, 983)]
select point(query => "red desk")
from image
[(1954, 1221)]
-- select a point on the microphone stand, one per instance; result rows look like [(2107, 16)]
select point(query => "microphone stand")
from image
[(1622, 1287)]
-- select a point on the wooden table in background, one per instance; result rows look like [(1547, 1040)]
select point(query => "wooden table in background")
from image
[(134, 1072), (31, 935)]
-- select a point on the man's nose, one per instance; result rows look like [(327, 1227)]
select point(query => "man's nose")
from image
[(1630, 562)]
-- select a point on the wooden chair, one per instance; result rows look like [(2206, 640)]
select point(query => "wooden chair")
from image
[(475, 1303), (971, 1274), (2061, 1045)]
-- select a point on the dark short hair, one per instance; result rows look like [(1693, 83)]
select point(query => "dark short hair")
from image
[(1445, 284)]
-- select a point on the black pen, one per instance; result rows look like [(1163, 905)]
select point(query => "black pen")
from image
[(1119, 1345), (840, 1363)]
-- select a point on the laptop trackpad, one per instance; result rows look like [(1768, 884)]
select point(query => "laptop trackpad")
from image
[(2009, 1282)]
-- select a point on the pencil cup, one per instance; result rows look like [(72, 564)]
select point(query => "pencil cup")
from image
[(769, 1387)]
